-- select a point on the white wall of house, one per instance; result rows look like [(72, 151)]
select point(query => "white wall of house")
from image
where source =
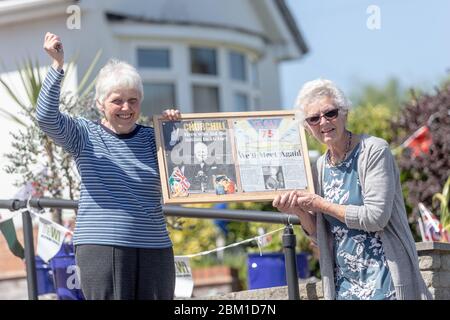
[(253, 28)]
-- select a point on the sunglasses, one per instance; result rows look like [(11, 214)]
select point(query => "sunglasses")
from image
[(329, 115)]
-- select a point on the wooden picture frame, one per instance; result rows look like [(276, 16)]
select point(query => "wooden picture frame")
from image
[(231, 156)]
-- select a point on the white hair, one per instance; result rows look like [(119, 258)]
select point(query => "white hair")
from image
[(114, 75), (317, 89)]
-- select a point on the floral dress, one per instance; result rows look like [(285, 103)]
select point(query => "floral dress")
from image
[(361, 271)]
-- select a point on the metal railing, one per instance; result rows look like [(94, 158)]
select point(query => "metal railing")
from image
[(289, 238)]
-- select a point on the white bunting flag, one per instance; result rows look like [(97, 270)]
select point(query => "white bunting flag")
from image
[(50, 239), (184, 284)]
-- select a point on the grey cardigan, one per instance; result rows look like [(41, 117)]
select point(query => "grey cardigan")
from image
[(383, 211)]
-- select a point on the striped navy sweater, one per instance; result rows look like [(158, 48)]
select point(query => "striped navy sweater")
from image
[(120, 199)]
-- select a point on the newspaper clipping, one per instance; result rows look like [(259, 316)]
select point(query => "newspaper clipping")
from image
[(269, 154)]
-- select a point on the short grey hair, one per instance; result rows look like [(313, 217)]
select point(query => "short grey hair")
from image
[(114, 75), (317, 89)]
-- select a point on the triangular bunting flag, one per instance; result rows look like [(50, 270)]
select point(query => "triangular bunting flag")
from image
[(9, 232), (50, 239), (184, 285)]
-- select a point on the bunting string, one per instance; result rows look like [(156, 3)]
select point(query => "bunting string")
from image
[(258, 239)]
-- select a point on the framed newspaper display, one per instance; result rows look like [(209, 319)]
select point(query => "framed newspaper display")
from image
[(236, 156)]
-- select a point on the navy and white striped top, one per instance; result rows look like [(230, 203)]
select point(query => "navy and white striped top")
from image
[(120, 199)]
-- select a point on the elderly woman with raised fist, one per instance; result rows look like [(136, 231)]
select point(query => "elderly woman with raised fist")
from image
[(122, 245)]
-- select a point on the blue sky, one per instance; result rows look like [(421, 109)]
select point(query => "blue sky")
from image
[(412, 44)]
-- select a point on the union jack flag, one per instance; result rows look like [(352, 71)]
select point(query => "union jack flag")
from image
[(179, 177), (430, 227)]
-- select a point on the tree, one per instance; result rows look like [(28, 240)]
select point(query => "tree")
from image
[(374, 107), (372, 119), (391, 95)]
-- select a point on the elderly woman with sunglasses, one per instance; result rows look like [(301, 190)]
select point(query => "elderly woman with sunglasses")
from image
[(357, 218)]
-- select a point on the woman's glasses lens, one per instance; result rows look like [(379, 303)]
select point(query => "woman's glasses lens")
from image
[(313, 120), (330, 115)]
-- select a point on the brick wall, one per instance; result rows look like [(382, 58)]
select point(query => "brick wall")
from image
[(214, 280), (434, 262)]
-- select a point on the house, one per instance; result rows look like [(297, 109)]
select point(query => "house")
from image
[(198, 55)]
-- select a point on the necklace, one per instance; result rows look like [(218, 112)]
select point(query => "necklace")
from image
[(347, 149)]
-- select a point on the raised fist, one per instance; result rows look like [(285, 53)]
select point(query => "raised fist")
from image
[(53, 46)]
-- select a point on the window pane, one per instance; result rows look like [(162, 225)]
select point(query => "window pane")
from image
[(257, 103), (206, 99), (255, 75), (203, 61), (240, 102), (158, 97), (153, 58), (237, 66)]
